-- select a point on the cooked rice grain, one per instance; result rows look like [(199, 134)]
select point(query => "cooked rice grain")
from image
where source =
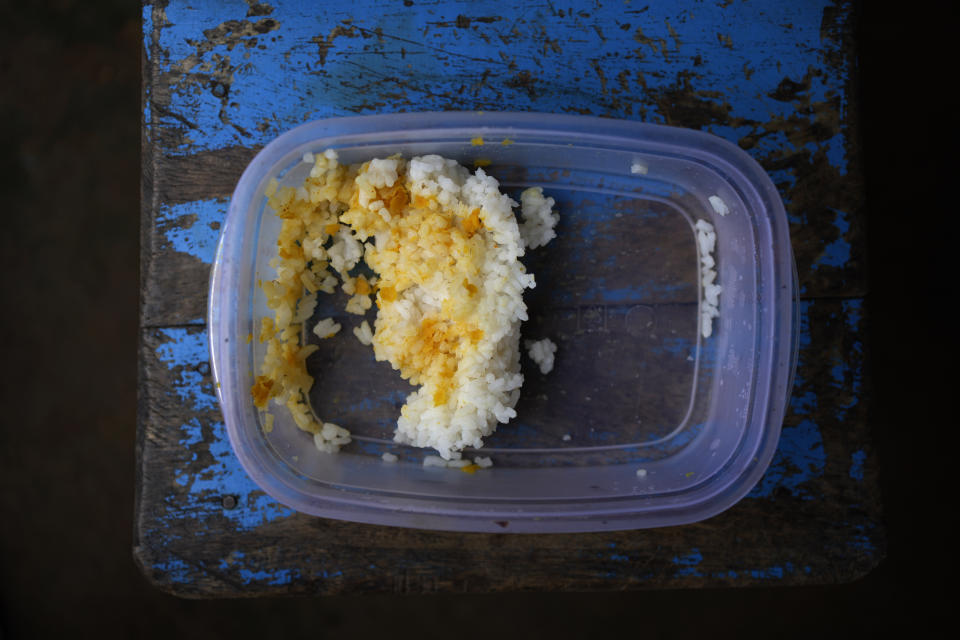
[(542, 352), (445, 245)]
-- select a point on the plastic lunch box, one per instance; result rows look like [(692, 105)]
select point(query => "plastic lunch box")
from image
[(643, 422)]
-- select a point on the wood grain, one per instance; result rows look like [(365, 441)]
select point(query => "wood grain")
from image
[(204, 529), (776, 80)]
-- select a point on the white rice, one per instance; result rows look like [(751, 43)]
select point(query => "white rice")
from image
[(719, 205), (468, 384), (364, 333), (539, 219), (450, 326), (709, 306), (331, 437), (483, 462), (305, 308), (359, 304), (326, 328), (542, 352), (268, 423), (638, 168)]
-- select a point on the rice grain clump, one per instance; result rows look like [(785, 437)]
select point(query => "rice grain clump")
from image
[(326, 328), (445, 246), (707, 238), (364, 333), (538, 218), (542, 352), (719, 205)]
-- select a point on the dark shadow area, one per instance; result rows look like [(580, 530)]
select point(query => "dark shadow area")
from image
[(70, 175)]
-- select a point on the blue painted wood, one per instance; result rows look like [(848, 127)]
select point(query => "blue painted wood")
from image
[(772, 77), (204, 526), (236, 79), (226, 77)]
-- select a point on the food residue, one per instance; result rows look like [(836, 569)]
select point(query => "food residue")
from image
[(444, 247)]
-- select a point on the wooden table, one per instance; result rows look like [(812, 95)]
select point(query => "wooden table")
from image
[(223, 78)]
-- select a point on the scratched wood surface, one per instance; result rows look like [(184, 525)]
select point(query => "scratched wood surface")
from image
[(223, 78)]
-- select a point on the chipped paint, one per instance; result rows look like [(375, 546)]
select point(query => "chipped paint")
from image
[(175, 569), (861, 541), (267, 576), (207, 469), (193, 227), (146, 24), (776, 572), (800, 456), (691, 565), (687, 564), (214, 85), (856, 464), (837, 252), (193, 384), (361, 58)]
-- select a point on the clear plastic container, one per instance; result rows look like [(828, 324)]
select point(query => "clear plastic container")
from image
[(642, 422)]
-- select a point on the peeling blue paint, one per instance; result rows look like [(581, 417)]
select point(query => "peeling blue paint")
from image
[(203, 438), (193, 227), (225, 476), (687, 564), (146, 15), (837, 153), (770, 572), (803, 403), (836, 373), (462, 68), (856, 465), (194, 435), (836, 253), (188, 350), (852, 315), (329, 574), (799, 458), (846, 373), (176, 570), (237, 560), (184, 347), (448, 65), (235, 556), (267, 576), (861, 541)]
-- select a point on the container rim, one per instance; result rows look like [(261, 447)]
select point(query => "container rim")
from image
[(779, 330)]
